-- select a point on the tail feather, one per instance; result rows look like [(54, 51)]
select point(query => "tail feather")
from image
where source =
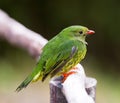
[(24, 83), (33, 77)]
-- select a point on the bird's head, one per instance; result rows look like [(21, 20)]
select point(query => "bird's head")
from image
[(78, 32)]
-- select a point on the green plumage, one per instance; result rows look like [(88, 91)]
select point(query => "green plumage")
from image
[(60, 54)]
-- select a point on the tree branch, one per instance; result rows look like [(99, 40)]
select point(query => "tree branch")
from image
[(20, 36), (77, 88)]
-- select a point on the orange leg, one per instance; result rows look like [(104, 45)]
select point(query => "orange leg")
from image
[(65, 75)]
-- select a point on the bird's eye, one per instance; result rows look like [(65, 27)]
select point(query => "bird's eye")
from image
[(81, 32)]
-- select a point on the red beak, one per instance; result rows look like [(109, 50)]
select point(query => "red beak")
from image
[(89, 32)]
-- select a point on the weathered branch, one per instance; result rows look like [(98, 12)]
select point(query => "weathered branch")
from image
[(20, 36), (77, 88)]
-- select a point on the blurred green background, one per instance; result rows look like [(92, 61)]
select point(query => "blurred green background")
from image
[(48, 17)]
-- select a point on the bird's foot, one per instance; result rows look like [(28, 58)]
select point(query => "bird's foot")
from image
[(65, 75)]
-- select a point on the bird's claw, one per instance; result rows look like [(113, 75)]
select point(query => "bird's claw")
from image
[(65, 75)]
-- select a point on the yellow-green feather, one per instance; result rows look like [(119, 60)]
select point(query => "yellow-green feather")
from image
[(75, 60)]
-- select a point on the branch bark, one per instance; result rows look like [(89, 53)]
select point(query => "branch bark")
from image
[(20, 36), (77, 88)]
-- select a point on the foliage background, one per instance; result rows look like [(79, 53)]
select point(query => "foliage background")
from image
[(48, 17)]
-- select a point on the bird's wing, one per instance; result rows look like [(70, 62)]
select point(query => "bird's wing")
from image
[(60, 56)]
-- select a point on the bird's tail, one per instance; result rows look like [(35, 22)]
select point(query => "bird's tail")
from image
[(31, 78), (24, 83)]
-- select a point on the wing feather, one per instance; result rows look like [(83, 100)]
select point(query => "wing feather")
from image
[(59, 58)]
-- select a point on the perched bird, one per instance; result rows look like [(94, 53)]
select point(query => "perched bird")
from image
[(60, 54)]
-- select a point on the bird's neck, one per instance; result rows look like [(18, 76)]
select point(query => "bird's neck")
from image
[(82, 39)]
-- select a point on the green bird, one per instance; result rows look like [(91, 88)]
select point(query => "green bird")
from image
[(60, 54)]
